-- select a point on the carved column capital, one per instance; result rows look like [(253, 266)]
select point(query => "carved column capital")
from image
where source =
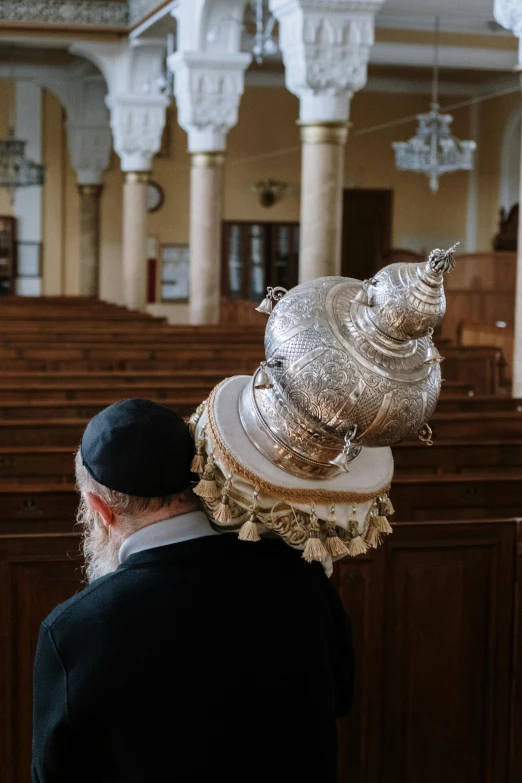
[(208, 89), (508, 13), (137, 125), (325, 46), (89, 148), (137, 106)]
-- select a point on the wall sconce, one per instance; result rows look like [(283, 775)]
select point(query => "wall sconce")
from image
[(270, 191)]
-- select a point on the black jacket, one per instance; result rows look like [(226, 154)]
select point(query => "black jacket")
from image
[(208, 660)]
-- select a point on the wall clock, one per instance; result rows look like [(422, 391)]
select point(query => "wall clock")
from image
[(155, 197)]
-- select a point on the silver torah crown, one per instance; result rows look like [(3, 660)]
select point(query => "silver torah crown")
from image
[(349, 355)]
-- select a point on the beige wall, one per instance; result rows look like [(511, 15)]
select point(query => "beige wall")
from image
[(267, 125), (6, 119)]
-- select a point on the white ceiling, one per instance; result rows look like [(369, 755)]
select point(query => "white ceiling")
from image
[(466, 16)]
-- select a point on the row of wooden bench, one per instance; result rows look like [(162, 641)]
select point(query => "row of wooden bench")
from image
[(34, 462)]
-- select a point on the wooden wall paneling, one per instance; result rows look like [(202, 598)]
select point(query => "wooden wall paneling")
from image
[(448, 649), (36, 574), (516, 711), (361, 586)]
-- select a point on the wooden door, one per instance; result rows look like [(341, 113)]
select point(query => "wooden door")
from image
[(257, 255), (7, 254), (367, 226)]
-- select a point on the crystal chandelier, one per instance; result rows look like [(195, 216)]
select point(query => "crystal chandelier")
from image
[(434, 150), (258, 14), (16, 171)]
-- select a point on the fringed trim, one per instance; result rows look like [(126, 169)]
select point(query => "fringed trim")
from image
[(381, 510), (207, 487), (223, 514), (287, 494), (333, 544), (200, 459), (195, 417), (383, 526), (249, 531), (357, 545), (373, 536), (389, 510), (314, 549)]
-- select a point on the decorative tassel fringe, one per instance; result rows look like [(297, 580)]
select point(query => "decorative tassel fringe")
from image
[(314, 549), (389, 506), (207, 487), (333, 544), (383, 526), (373, 536), (195, 417), (223, 514), (198, 464), (379, 511), (357, 545), (249, 531), (200, 460)]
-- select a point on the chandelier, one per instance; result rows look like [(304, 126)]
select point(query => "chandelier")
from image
[(434, 150), (16, 171), (258, 14)]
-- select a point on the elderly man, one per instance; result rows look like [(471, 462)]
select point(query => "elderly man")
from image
[(191, 656)]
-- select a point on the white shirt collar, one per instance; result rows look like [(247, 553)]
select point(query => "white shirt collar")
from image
[(169, 531)]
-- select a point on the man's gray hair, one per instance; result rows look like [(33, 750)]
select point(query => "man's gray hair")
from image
[(128, 507)]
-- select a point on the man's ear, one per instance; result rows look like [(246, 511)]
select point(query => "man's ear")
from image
[(99, 505)]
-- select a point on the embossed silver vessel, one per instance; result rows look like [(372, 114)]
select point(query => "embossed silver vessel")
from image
[(348, 364)]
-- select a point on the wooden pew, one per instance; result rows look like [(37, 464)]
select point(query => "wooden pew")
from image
[(465, 426), (477, 403), (457, 496), (457, 456), (31, 410), (36, 465)]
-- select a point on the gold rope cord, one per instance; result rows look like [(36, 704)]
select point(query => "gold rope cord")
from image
[(288, 494)]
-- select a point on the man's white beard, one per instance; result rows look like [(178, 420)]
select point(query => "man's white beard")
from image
[(100, 549)]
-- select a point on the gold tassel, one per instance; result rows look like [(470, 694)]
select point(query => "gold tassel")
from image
[(195, 417), (389, 506), (357, 545), (199, 461), (207, 487), (314, 549), (381, 521), (223, 514), (333, 544), (249, 531), (373, 535)]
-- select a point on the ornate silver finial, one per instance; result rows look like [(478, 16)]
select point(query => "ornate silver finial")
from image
[(273, 295), (442, 261)]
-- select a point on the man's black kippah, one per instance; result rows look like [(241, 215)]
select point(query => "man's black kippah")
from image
[(139, 448)]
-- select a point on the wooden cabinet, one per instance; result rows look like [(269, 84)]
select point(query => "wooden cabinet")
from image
[(7, 254), (437, 620), (257, 255)]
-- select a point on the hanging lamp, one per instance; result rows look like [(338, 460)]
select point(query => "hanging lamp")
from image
[(434, 150)]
